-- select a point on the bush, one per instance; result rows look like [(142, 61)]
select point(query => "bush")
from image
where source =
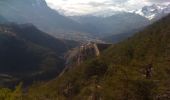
[(95, 68), (144, 89)]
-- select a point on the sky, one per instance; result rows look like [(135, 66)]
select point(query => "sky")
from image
[(83, 7)]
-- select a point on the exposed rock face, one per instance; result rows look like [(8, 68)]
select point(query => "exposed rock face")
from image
[(86, 51), (80, 54)]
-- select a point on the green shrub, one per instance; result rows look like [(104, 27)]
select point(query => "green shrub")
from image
[(95, 68)]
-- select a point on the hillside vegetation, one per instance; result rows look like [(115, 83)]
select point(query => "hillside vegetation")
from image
[(135, 69)]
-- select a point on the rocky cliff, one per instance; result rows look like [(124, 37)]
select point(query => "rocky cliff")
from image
[(80, 54)]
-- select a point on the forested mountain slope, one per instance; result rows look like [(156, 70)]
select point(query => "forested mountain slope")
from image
[(28, 54), (135, 69)]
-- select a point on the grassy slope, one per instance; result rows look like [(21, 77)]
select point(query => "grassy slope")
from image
[(119, 74)]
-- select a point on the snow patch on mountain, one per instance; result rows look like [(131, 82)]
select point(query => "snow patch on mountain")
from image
[(154, 11)]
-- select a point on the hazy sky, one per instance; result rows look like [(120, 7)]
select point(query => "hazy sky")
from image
[(72, 7)]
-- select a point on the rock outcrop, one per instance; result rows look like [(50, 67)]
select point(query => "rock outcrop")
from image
[(80, 54)]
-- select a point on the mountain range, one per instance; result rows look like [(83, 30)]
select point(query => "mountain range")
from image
[(79, 28), (103, 27), (86, 28), (154, 12), (38, 13), (151, 12)]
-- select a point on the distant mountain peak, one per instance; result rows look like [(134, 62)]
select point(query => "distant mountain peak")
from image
[(155, 11)]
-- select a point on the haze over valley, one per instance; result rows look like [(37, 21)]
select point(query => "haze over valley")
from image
[(89, 27), (84, 50)]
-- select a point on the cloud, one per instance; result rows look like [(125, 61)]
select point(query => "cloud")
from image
[(74, 7), (98, 4), (119, 1), (159, 1)]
